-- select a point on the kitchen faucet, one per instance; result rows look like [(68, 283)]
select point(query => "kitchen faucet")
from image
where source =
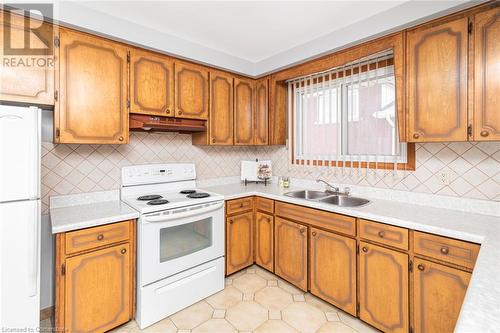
[(334, 189)]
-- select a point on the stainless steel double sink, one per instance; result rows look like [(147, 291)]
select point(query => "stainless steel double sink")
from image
[(337, 199)]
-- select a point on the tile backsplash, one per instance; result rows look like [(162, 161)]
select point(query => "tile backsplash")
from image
[(473, 168)]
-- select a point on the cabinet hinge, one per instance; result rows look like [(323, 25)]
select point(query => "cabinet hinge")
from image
[(128, 104), (470, 27), (63, 269), (469, 130), (357, 249), (58, 132), (411, 329), (57, 41), (128, 57), (56, 95), (357, 308), (410, 266)]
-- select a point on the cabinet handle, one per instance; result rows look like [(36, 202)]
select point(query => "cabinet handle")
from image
[(302, 230), (381, 234), (241, 205), (445, 250), (123, 251), (484, 133), (365, 249), (168, 111), (179, 112), (268, 219), (420, 267), (314, 233), (100, 237), (120, 138), (231, 221), (213, 140), (416, 135)]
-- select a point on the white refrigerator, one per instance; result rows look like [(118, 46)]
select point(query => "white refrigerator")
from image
[(20, 156)]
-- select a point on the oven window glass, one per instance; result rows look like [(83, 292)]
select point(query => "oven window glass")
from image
[(185, 239)]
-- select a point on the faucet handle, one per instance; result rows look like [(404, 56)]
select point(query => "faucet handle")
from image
[(347, 190)]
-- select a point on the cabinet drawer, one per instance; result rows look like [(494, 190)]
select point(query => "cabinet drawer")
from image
[(86, 239), (384, 234), (446, 249), (239, 205), (264, 205), (317, 218)]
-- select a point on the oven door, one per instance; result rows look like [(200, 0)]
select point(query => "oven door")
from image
[(179, 239)]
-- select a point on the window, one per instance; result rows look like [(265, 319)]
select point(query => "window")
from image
[(347, 114)]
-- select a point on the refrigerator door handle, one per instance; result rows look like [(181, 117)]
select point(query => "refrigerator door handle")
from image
[(33, 255)]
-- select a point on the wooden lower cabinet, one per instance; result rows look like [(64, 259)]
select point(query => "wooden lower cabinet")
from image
[(264, 240), (95, 288), (438, 295), (290, 260), (333, 269), (239, 242), (383, 288)]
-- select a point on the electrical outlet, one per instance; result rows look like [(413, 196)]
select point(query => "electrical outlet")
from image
[(443, 177)]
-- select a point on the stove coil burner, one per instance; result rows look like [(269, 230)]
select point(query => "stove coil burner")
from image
[(149, 197), (188, 191), (157, 202), (198, 195)]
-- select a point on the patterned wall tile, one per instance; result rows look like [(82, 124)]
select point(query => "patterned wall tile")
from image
[(474, 168)]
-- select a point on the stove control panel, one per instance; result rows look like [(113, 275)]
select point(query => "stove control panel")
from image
[(157, 173)]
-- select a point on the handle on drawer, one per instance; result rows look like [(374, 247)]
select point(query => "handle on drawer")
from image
[(302, 230), (231, 221), (365, 249), (123, 251), (444, 250), (421, 267), (241, 204), (100, 237), (314, 233), (381, 234)]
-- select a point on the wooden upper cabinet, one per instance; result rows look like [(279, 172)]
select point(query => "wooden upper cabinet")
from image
[(151, 83), (437, 82), (239, 242), (244, 101), (277, 112), (264, 240), (487, 75), (290, 261), (261, 112), (383, 288), (438, 295), (20, 80), (93, 90), (191, 91), (99, 290), (221, 108), (333, 269)]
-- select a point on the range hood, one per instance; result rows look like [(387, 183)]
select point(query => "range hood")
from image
[(139, 122)]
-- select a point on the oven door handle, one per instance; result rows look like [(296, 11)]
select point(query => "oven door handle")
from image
[(174, 216)]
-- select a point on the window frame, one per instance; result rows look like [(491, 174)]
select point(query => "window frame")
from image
[(407, 150)]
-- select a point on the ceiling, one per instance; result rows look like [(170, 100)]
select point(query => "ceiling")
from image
[(250, 37)]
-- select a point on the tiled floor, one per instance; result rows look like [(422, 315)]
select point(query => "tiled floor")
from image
[(255, 300)]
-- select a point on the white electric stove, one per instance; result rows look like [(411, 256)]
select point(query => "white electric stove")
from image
[(180, 253)]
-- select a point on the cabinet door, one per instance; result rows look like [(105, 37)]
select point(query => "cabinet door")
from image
[(487, 76), (22, 81), (243, 112), (383, 280), (261, 112), (221, 108), (438, 295), (264, 240), (93, 90), (98, 289), (437, 82), (151, 83), (239, 242), (191, 91), (333, 269), (291, 252)]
